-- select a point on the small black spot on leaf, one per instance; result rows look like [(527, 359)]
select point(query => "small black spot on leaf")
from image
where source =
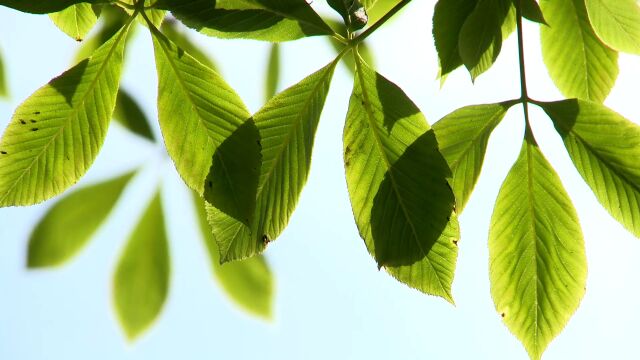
[(502, 315), (210, 183), (265, 239), (32, 121), (34, 129), (3, 152), (455, 242), (23, 122), (36, 113)]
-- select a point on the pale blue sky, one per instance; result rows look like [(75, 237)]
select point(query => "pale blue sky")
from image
[(331, 301)]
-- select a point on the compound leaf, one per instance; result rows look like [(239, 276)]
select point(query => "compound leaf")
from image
[(587, 69), (397, 180), (55, 135), (605, 148), (287, 126), (462, 138), (141, 279), (538, 266), (69, 224)]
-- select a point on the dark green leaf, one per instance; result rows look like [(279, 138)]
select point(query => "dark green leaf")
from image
[(480, 39), (141, 279), (531, 11), (462, 138), (44, 6), (249, 283), (586, 69), (273, 72), (129, 114), (287, 126), (538, 266), (397, 181), (605, 148), (172, 32), (69, 224), (353, 13), (55, 135), (617, 23), (448, 18), (270, 20), (76, 20)]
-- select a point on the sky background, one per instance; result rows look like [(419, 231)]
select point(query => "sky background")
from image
[(331, 301)]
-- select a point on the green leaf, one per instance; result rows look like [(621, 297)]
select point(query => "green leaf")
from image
[(377, 9), (353, 13), (448, 18), (480, 38), (605, 148), (269, 20), (287, 126), (617, 23), (129, 114), (69, 224), (77, 20), (55, 135), (249, 283), (197, 110), (397, 181), (44, 6), (155, 15), (170, 29), (587, 69), (4, 90), (112, 18), (538, 266), (531, 11), (462, 138), (273, 72), (141, 279)]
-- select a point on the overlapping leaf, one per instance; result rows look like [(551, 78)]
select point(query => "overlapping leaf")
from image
[(287, 126), (397, 181), (55, 135), (448, 18), (273, 72), (249, 282), (462, 138), (69, 224), (587, 69), (537, 260), (45, 6), (531, 11), (270, 20), (76, 20), (605, 148), (170, 29), (141, 279), (112, 19), (197, 111)]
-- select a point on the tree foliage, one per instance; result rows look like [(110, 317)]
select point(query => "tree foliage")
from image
[(408, 182)]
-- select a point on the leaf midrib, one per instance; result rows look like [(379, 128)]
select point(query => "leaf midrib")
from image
[(72, 114), (618, 23), (532, 213), (372, 125)]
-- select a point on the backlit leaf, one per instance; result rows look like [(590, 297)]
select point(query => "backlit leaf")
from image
[(537, 260), (480, 39), (141, 279), (269, 20), (605, 148), (462, 138), (76, 21), (617, 23), (171, 30), (67, 227), (586, 69), (55, 135), (129, 114), (448, 18), (287, 126), (397, 180), (44, 6), (273, 72), (249, 283)]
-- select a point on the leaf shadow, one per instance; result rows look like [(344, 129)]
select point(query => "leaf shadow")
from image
[(232, 183), (416, 189), (68, 82)]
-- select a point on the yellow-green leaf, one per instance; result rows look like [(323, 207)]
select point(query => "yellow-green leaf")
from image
[(55, 135), (76, 20), (617, 23), (605, 148), (141, 279), (67, 227), (397, 180), (537, 262)]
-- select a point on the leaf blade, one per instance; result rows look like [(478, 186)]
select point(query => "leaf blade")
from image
[(141, 278), (604, 147), (617, 23), (536, 252), (39, 159), (76, 20)]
